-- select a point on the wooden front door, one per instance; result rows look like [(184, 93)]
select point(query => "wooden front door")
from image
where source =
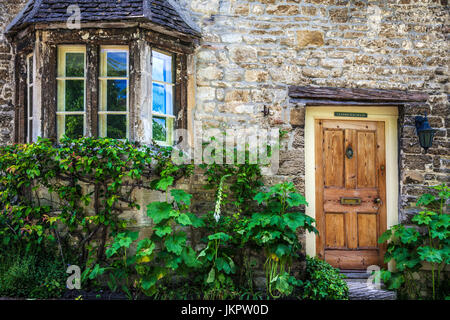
[(350, 192)]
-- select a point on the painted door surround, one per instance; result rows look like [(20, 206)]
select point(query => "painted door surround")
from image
[(347, 251)]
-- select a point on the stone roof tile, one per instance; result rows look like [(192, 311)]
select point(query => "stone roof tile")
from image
[(160, 12)]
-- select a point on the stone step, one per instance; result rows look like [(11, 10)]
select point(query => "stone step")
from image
[(359, 290), (355, 274)]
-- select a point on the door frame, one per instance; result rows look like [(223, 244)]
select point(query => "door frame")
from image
[(389, 115)]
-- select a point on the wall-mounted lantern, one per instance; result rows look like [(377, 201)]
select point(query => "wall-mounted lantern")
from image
[(424, 132)]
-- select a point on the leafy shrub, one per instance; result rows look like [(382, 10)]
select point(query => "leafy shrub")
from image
[(427, 240), (275, 230), (323, 282), (31, 275)]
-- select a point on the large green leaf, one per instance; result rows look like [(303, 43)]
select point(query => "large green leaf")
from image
[(196, 221), (442, 220), (181, 197), (145, 247), (440, 233), (161, 231), (159, 211), (276, 220), (385, 236), (219, 236), (261, 197), (223, 265), (148, 282), (173, 262), (189, 257), (164, 183), (296, 199), (282, 250), (425, 199), (184, 219), (175, 242), (423, 218), (211, 276), (295, 220), (408, 235), (430, 254)]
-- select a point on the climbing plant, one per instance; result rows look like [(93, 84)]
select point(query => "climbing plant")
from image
[(83, 184)]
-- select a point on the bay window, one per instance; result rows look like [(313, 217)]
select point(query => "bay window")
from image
[(102, 90)]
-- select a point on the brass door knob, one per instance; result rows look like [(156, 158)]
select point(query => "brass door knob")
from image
[(377, 200)]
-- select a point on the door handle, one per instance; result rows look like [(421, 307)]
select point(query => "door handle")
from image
[(377, 200)]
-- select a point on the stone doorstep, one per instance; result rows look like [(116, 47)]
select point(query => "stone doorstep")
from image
[(355, 274), (358, 290)]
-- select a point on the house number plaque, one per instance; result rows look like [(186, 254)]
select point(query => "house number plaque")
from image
[(351, 114)]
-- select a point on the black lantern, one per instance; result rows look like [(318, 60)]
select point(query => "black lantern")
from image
[(424, 132)]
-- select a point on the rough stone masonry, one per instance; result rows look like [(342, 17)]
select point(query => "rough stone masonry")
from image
[(252, 51)]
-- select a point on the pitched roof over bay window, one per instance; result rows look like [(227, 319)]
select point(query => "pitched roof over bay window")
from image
[(159, 12)]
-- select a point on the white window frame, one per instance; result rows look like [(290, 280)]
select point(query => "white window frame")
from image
[(30, 85), (103, 81), (170, 118), (61, 78)]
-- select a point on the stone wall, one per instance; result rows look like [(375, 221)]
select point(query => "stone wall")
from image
[(8, 10), (252, 51)]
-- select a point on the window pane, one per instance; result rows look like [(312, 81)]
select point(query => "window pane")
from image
[(162, 67), (116, 126), (117, 95), (74, 64), (30, 102), (30, 130), (30, 70), (162, 98), (159, 129), (116, 64), (74, 95), (74, 126)]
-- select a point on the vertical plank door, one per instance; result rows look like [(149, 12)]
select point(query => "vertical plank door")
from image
[(350, 192)]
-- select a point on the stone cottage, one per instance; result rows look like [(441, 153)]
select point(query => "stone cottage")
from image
[(345, 79)]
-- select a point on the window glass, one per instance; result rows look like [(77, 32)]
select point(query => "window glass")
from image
[(74, 126), (29, 99), (30, 70), (117, 95), (116, 126), (75, 64), (162, 97), (116, 64), (71, 80), (162, 67), (159, 129), (74, 95), (113, 111)]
